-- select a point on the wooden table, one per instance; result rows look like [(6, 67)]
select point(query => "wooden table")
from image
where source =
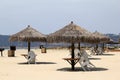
[(69, 60), (25, 55)]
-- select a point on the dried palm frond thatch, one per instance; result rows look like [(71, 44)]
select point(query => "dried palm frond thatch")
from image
[(28, 35), (102, 37), (72, 33)]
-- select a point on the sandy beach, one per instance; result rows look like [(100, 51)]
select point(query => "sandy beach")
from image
[(51, 66)]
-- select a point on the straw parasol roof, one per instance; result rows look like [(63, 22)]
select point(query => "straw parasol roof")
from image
[(28, 35), (101, 37), (72, 33)]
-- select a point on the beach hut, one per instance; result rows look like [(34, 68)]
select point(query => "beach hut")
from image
[(72, 33), (28, 34)]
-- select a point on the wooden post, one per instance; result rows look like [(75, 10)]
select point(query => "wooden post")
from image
[(96, 47), (79, 45), (103, 47), (73, 56), (28, 46)]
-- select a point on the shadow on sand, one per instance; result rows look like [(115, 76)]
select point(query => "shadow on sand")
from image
[(77, 69), (108, 54), (25, 63), (105, 54), (94, 58)]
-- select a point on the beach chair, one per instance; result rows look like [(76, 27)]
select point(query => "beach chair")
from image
[(99, 51), (31, 57), (92, 51), (85, 62), (77, 53)]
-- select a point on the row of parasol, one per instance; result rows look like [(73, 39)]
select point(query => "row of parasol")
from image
[(71, 33)]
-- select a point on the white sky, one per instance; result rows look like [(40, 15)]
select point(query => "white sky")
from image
[(50, 15)]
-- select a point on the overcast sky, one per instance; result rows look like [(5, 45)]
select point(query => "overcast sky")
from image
[(50, 15)]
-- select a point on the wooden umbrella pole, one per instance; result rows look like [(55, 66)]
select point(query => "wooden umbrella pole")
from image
[(72, 56), (79, 45), (28, 46), (103, 47), (96, 47)]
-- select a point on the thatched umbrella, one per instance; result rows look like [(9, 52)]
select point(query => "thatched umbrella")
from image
[(71, 33), (28, 35), (103, 38)]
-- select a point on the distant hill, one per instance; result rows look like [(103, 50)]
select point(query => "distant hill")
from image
[(4, 42), (114, 37)]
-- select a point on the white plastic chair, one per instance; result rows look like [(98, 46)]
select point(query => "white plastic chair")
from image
[(99, 51), (77, 53), (31, 57), (92, 50), (84, 61)]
